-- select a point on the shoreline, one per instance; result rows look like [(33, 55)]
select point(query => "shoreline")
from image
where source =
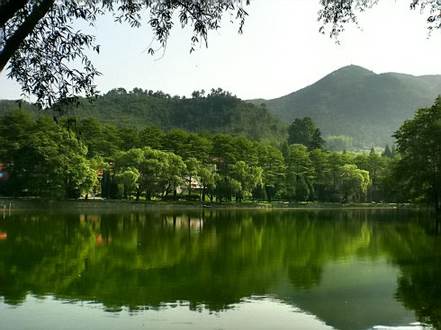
[(14, 204)]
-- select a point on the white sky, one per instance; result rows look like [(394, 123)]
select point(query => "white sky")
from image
[(280, 51)]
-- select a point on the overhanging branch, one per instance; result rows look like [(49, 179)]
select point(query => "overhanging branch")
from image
[(13, 43), (8, 8)]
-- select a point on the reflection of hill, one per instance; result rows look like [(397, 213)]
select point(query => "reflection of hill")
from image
[(213, 259), (352, 295)]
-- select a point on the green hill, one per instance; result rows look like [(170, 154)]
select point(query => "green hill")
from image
[(218, 112), (359, 103)]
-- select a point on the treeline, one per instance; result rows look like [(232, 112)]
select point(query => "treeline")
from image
[(216, 111), (72, 158)]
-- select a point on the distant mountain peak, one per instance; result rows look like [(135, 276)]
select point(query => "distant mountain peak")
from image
[(359, 103), (354, 67), (350, 72)]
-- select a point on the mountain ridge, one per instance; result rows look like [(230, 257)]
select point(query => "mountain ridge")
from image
[(358, 102), (426, 76), (217, 112), (351, 102)]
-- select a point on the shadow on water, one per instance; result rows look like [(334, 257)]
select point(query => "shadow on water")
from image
[(352, 269)]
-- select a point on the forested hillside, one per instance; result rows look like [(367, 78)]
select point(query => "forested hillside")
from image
[(42, 158), (359, 103), (217, 112), (354, 108)]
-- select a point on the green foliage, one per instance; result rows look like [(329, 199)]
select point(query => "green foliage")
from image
[(355, 182), (246, 177), (335, 14), (157, 172), (388, 152), (151, 112), (48, 56), (217, 112), (303, 131), (129, 179), (274, 171), (419, 145), (43, 158), (73, 158), (299, 174), (358, 103), (214, 259), (377, 166)]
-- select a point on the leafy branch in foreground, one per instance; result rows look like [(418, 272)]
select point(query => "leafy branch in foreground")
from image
[(47, 53), (336, 14)]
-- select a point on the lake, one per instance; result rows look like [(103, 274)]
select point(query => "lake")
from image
[(220, 269)]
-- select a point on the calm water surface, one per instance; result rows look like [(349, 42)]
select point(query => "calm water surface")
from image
[(220, 270)]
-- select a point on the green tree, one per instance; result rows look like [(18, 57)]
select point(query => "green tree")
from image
[(224, 152), (161, 172), (244, 179), (336, 162), (303, 131), (44, 50), (129, 179), (419, 145), (354, 183), (150, 137), (191, 174), (388, 152), (323, 178), (101, 139), (47, 55), (273, 165), (44, 159), (376, 166), (208, 177), (187, 145), (299, 174)]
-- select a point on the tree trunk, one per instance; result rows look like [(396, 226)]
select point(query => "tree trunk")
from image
[(189, 188), (14, 42), (10, 9), (203, 195), (268, 192)]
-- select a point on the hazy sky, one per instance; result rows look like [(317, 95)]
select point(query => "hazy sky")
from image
[(280, 51)]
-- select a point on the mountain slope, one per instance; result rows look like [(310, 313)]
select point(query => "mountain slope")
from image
[(218, 112), (357, 102)]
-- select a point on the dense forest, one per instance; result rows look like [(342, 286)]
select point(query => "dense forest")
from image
[(355, 108), (70, 157), (74, 158), (217, 111)]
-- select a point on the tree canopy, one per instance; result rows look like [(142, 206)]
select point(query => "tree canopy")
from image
[(44, 48), (335, 14), (83, 157), (419, 144), (303, 131)]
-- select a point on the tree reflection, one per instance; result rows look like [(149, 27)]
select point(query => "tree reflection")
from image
[(416, 249), (210, 259)]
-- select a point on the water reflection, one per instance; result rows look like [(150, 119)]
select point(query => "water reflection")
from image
[(352, 269)]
